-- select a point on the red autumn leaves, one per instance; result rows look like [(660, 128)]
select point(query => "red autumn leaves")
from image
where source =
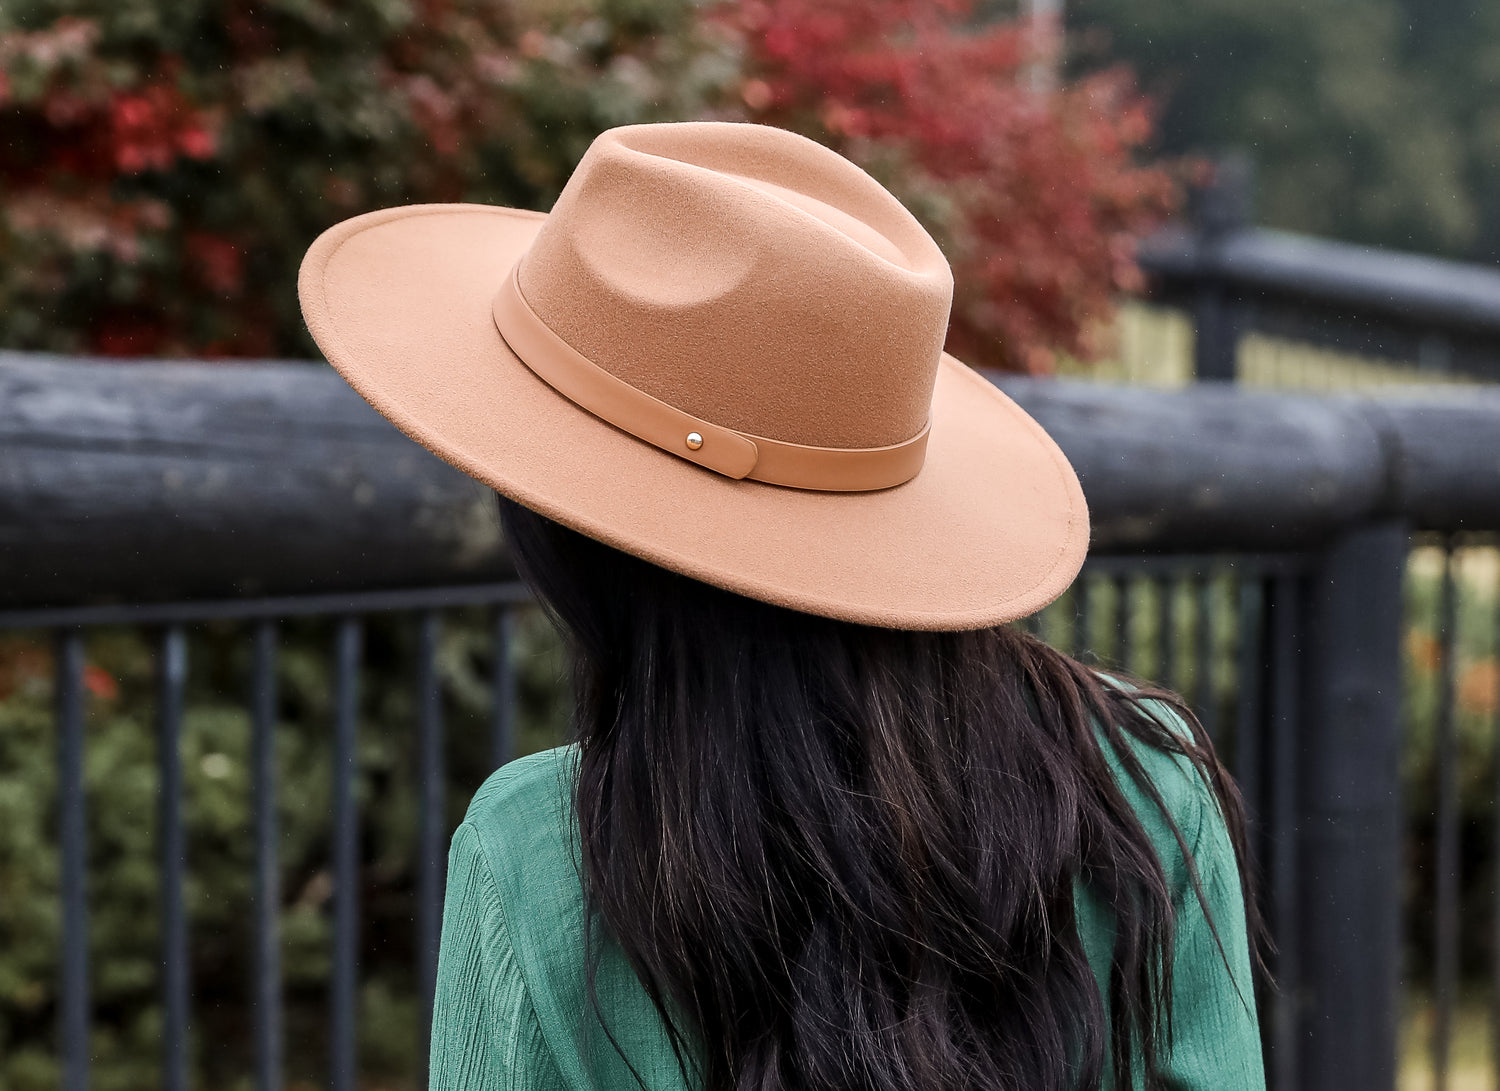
[(1036, 196), (177, 173)]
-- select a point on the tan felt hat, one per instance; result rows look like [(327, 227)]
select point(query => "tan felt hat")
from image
[(722, 352)]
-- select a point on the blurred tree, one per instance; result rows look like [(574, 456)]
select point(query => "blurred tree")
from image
[(165, 164), (1036, 198), (1371, 120)]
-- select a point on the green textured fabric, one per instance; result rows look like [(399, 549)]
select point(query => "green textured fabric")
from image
[(512, 1011)]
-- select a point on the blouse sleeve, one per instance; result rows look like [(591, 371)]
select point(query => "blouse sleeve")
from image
[(485, 1035), (1215, 1032)]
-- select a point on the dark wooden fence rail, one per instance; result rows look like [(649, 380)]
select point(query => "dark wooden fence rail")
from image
[(143, 482), (160, 481), (165, 481)]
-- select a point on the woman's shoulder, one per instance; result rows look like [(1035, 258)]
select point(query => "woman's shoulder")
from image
[(1185, 794), (536, 783), (521, 821)]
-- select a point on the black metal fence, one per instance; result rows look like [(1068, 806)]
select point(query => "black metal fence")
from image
[(167, 625), (1435, 316), (1250, 549)]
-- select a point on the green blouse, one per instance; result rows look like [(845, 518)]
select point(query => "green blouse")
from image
[(512, 1009)]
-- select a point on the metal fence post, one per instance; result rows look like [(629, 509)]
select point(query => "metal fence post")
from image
[(1219, 210), (1350, 822)]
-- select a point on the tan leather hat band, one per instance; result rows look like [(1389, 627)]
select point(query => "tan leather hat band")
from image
[(723, 450)]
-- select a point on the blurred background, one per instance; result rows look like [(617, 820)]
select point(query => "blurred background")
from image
[(257, 650)]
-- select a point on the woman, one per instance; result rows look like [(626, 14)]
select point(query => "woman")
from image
[(829, 821)]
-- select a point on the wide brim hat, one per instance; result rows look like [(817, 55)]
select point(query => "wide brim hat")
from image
[(721, 352)]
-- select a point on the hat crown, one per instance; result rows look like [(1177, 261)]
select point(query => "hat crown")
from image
[(747, 276)]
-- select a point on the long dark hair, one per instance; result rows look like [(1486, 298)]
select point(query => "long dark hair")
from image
[(843, 857)]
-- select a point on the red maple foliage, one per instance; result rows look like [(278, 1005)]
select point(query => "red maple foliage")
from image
[(155, 199), (150, 127), (1034, 194)]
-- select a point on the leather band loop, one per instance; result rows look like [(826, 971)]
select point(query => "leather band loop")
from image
[(723, 450)]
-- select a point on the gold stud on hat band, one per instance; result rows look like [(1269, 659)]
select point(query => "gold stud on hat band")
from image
[(731, 453)]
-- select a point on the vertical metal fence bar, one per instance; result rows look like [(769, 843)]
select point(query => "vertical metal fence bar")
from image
[(73, 999), (1205, 698), (503, 710), (1122, 622), (1285, 692), (1166, 635), (267, 995), (1445, 954), (1083, 616), (343, 1059), (433, 820), (1249, 741), (172, 682), (1495, 900), (1249, 729)]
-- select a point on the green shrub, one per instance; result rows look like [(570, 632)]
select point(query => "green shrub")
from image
[(123, 876)]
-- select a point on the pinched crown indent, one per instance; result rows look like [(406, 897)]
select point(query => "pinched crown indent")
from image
[(765, 284)]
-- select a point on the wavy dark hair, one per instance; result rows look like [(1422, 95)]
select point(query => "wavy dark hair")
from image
[(842, 857)]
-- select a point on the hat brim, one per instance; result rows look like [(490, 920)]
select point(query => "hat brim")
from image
[(993, 528)]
